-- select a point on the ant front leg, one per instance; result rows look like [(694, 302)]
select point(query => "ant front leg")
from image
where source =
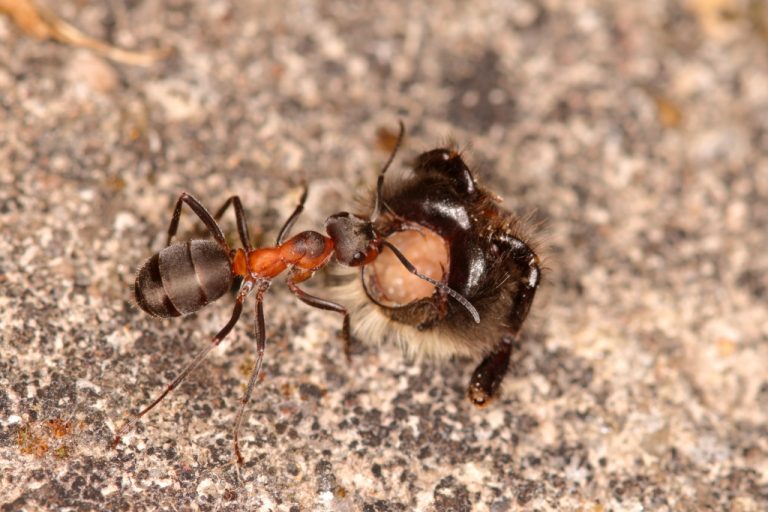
[(292, 219), (242, 225), (487, 377), (202, 213), (299, 275)]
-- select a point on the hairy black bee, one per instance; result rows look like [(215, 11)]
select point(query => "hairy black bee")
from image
[(455, 232)]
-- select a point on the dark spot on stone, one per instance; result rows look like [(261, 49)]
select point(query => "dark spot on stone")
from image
[(564, 370), (451, 496), (4, 411), (383, 506), (502, 505), (474, 81), (755, 282), (292, 469), (526, 491), (326, 480)]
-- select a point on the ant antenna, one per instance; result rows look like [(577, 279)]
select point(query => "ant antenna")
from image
[(447, 289), (294, 216), (378, 205)]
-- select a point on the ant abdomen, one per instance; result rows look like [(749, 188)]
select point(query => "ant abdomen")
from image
[(183, 278)]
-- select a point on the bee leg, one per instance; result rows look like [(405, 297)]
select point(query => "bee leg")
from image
[(529, 272), (488, 376), (447, 162)]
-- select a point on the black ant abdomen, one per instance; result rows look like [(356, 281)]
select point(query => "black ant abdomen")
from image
[(183, 278)]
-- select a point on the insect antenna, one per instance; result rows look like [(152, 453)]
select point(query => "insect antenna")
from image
[(447, 289), (379, 204)]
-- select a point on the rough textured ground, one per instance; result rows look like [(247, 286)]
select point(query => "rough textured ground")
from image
[(635, 130)]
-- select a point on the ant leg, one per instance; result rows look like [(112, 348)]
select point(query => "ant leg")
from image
[(242, 225), (202, 213), (442, 286), (328, 305), (487, 377), (292, 219), (260, 346), (127, 427), (379, 204)]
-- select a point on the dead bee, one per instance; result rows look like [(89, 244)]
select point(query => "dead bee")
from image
[(455, 232)]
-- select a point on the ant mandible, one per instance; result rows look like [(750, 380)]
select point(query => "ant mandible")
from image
[(185, 277)]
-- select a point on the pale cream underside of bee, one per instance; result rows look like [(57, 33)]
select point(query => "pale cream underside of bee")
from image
[(371, 326)]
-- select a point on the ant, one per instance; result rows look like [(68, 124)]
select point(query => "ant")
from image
[(185, 277)]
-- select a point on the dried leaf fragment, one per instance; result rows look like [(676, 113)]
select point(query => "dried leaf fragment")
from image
[(42, 23)]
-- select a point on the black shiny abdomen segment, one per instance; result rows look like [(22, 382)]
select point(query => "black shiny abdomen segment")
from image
[(182, 278), (213, 268), (149, 292)]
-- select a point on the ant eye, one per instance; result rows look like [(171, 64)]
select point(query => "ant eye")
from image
[(358, 256)]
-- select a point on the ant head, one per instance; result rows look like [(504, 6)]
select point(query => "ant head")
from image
[(355, 241)]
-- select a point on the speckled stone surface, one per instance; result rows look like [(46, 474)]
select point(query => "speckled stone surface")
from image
[(636, 131)]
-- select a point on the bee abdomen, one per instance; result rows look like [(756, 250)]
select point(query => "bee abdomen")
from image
[(183, 278)]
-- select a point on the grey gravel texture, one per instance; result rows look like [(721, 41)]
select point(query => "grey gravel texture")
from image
[(635, 131)]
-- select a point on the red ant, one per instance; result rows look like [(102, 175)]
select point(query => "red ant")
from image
[(185, 277)]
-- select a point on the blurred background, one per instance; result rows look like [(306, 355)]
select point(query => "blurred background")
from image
[(632, 133)]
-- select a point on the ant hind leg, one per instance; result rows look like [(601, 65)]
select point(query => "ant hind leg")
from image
[(202, 213), (199, 358), (242, 225)]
